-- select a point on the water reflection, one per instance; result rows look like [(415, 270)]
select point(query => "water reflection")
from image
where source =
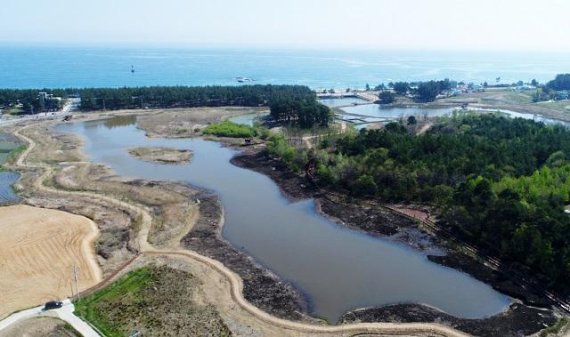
[(119, 121)]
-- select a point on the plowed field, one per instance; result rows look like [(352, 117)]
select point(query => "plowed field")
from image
[(38, 249)]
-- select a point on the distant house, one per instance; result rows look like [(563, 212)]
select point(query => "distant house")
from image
[(563, 94), (524, 87), (476, 87), (456, 92)]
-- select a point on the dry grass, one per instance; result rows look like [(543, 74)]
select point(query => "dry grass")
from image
[(507, 99), (187, 122), (172, 205), (40, 327)]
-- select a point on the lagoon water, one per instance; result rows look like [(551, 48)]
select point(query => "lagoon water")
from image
[(338, 269), (376, 110), (64, 67)]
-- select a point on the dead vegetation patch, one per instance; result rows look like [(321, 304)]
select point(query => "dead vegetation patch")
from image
[(40, 327), (184, 123)]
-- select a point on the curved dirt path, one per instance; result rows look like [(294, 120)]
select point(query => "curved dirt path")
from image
[(236, 283)]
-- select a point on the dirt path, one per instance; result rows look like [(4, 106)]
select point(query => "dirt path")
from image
[(35, 265), (234, 300)]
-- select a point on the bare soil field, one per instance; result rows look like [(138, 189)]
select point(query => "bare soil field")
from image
[(161, 155), (40, 327), (38, 248)]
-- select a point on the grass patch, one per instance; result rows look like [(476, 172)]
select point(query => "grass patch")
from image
[(230, 129), (519, 97), (158, 301), (556, 328), (14, 111)]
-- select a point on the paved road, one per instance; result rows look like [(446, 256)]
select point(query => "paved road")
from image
[(65, 313)]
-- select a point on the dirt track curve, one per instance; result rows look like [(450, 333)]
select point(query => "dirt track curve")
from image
[(234, 280)]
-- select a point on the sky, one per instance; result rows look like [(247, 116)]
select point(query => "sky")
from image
[(514, 25)]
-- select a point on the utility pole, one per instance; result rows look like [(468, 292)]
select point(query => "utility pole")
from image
[(72, 291), (75, 279)]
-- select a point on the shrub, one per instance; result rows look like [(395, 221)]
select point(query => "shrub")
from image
[(230, 129)]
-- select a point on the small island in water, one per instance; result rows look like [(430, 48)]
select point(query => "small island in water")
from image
[(162, 155)]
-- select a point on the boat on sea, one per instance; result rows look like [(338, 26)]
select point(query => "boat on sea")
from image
[(242, 79)]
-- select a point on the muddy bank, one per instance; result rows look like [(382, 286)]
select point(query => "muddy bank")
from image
[(292, 185), (161, 155), (263, 289), (518, 320)]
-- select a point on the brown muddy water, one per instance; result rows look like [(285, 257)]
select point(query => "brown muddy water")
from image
[(336, 268)]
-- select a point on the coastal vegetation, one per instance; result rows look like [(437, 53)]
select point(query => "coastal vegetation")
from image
[(386, 97), (500, 184), (291, 104), (421, 91), (304, 112), (182, 96), (29, 100)]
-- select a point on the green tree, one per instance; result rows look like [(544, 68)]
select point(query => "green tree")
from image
[(561, 82), (428, 91), (401, 88), (365, 186), (386, 97)]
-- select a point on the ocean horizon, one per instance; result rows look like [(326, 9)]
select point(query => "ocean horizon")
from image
[(80, 66)]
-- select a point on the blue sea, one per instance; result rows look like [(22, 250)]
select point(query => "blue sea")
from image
[(63, 67)]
